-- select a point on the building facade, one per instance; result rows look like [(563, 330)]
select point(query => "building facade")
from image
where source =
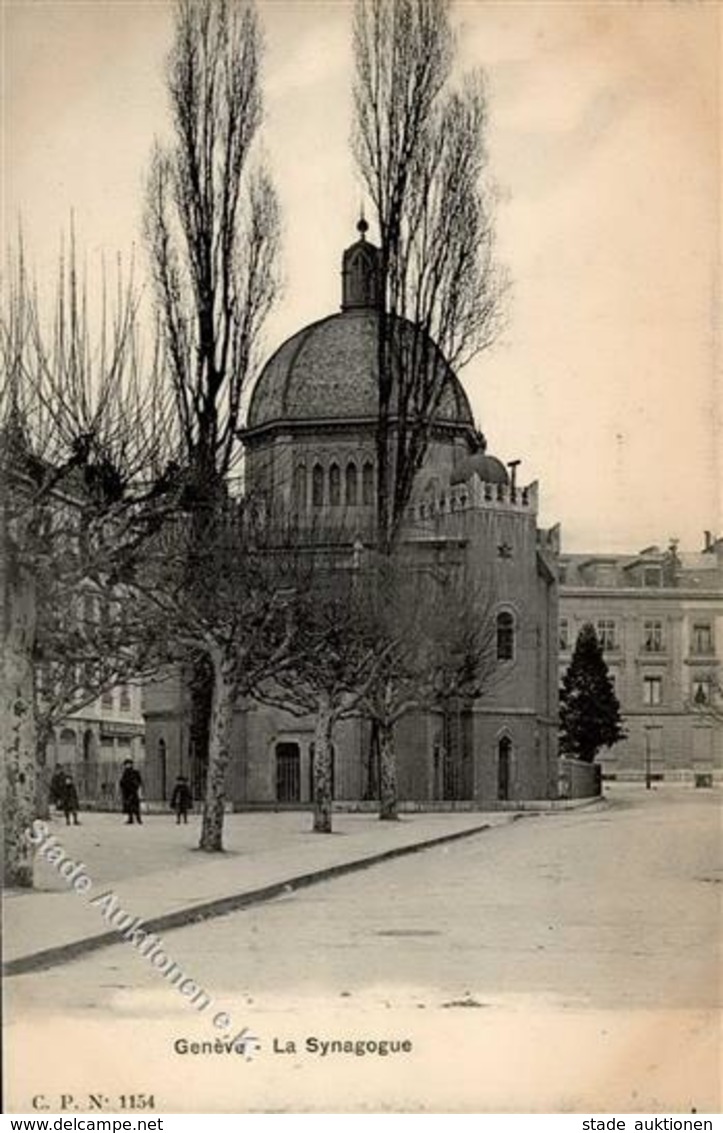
[(93, 743), (311, 453), (659, 618)]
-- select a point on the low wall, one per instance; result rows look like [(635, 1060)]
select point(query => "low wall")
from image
[(578, 780)]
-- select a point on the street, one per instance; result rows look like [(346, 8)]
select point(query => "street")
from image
[(566, 961)]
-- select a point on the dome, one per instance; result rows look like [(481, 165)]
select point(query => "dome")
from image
[(328, 372), (489, 469)]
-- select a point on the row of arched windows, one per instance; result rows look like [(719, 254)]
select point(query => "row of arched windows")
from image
[(330, 488)]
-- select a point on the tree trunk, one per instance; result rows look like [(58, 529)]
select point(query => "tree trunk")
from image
[(200, 683), (42, 783), (222, 710), (201, 673), (17, 719), (388, 773), (323, 765)]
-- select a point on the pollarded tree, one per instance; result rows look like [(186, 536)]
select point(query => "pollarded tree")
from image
[(589, 709), (436, 640), (240, 620), (89, 640), (84, 454), (334, 657)]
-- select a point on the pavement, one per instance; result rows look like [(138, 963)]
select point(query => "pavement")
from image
[(562, 963), (157, 873)]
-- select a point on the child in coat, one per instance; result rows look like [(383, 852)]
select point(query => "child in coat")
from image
[(181, 799)]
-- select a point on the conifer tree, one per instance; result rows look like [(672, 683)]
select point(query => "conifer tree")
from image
[(589, 709)]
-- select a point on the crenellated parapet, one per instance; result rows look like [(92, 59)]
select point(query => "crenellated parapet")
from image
[(474, 495)]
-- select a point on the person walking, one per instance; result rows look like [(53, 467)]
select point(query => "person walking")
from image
[(130, 788), (69, 799), (181, 799)]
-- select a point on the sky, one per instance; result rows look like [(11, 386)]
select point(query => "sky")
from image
[(604, 151)]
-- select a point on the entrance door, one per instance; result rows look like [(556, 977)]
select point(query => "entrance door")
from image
[(504, 750), (288, 773)]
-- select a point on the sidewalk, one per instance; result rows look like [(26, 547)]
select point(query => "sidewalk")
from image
[(157, 873)]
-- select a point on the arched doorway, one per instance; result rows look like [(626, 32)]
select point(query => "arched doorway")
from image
[(504, 768), (67, 748), (288, 773)]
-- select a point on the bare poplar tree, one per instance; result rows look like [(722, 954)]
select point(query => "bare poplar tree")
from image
[(85, 442), (419, 144), (212, 230)]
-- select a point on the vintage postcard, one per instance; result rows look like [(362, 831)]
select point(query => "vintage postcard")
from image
[(362, 557)]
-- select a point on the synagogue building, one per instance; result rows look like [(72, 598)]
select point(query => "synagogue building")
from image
[(310, 445)]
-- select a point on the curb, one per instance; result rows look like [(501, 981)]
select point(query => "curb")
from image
[(220, 906)]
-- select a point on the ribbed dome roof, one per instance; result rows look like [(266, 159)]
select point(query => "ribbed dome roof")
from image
[(489, 469), (328, 372)]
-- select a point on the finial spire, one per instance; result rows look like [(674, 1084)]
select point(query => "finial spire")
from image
[(360, 270)]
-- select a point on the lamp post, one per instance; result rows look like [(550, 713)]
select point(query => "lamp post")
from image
[(648, 778)]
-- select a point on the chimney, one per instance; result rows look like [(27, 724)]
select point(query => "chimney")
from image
[(708, 536), (512, 465)]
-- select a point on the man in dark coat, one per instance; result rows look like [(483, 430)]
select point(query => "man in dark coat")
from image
[(130, 787), (69, 799), (181, 799), (56, 787)]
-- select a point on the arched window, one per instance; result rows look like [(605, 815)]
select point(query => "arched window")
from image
[(299, 487), (368, 484), (505, 636), (351, 485), (317, 486), (334, 485)]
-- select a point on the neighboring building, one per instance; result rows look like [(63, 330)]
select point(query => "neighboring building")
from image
[(310, 453), (659, 617), (94, 742)]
